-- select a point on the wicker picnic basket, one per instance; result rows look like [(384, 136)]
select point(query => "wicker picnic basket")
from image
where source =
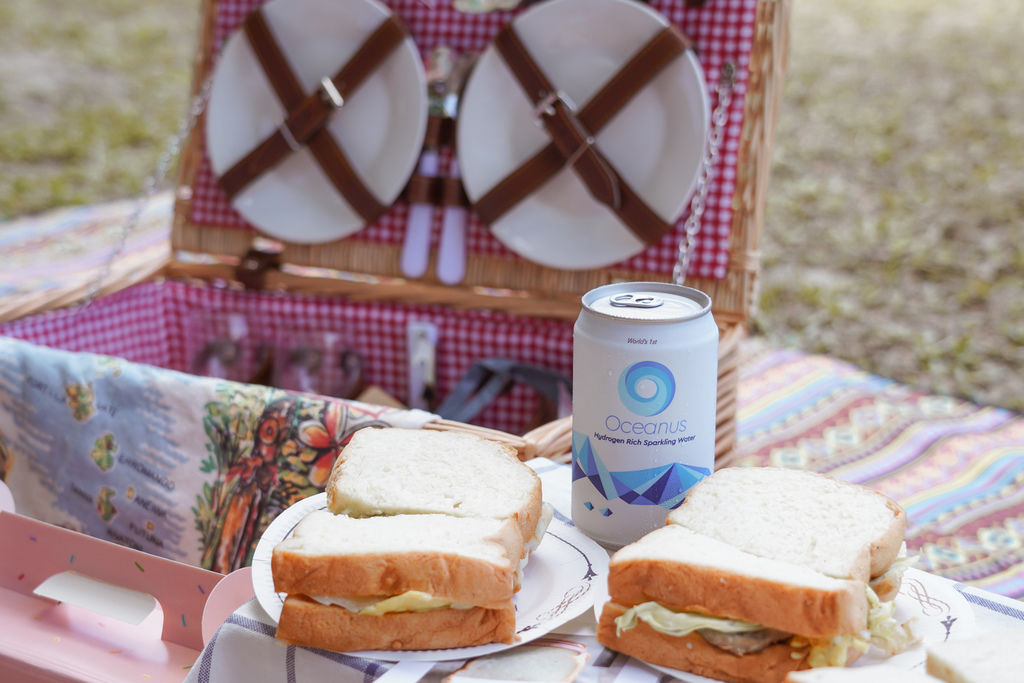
[(215, 250), (368, 270)]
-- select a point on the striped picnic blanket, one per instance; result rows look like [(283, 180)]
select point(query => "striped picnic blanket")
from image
[(957, 467)]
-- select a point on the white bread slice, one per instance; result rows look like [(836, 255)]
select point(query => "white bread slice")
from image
[(394, 471), (694, 654), (837, 528), (467, 561), (994, 657), (687, 571), (308, 623), (882, 673)]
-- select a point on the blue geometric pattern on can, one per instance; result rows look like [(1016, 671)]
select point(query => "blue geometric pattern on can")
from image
[(665, 485)]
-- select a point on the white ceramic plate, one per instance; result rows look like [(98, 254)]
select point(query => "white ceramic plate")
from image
[(558, 584), (656, 142), (380, 128), (938, 612)]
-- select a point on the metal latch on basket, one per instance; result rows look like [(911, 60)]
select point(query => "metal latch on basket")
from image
[(421, 340)]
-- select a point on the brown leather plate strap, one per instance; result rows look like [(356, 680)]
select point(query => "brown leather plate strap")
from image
[(453, 193), (422, 189), (436, 190), (306, 120), (573, 141), (440, 132), (635, 74), (664, 47)]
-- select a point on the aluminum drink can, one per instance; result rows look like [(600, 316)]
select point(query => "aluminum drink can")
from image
[(645, 376)]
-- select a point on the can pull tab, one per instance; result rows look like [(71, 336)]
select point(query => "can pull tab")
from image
[(636, 300)]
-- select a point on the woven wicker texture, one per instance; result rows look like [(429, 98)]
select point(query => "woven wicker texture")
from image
[(748, 33)]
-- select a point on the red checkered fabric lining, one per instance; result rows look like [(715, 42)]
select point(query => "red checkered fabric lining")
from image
[(167, 324), (723, 32), (130, 324)]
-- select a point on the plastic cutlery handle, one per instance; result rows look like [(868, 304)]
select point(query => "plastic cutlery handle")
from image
[(451, 256), (416, 247)]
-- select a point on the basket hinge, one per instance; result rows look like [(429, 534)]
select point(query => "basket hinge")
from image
[(252, 269)]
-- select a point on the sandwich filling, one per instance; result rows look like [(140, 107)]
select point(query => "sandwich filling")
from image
[(892, 577), (409, 601), (400, 564), (418, 601), (742, 637)]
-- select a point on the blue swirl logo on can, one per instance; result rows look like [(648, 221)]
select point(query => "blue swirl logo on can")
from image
[(646, 388)]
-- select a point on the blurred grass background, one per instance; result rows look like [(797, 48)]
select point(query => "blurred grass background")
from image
[(894, 235), (90, 92)]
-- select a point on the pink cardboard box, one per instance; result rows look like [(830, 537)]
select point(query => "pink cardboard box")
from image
[(43, 639)]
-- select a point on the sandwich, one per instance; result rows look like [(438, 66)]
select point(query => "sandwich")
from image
[(402, 582), (761, 571), (392, 471), (837, 528), (422, 545)]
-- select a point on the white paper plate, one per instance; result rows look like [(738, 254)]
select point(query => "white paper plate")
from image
[(938, 612), (380, 128), (558, 584), (656, 142)]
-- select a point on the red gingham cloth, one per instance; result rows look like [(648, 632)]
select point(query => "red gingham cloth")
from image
[(165, 324), (723, 31)]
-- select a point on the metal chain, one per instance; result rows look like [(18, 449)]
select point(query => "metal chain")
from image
[(151, 185), (719, 117)]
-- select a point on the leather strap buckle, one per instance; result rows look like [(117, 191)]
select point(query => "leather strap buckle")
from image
[(289, 137), (557, 114), (546, 108), (573, 132), (329, 93), (546, 105), (583, 148), (307, 114)]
